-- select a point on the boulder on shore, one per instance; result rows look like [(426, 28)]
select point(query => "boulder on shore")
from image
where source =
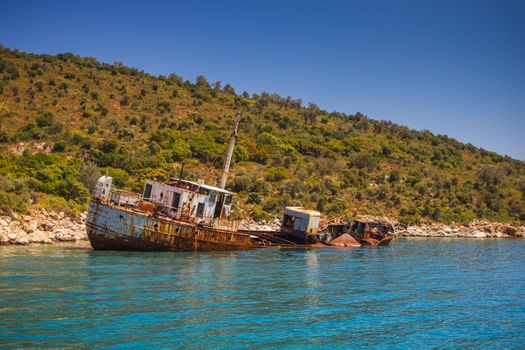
[(41, 227), (478, 234)]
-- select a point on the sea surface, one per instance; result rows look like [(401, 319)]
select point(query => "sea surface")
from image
[(414, 294)]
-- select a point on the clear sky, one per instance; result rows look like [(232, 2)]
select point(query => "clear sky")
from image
[(452, 67)]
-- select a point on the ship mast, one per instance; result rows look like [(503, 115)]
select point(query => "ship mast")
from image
[(230, 152)]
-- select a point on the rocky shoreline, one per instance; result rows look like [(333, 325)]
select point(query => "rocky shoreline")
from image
[(475, 229), (43, 227)]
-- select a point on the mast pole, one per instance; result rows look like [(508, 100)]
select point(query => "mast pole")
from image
[(230, 152)]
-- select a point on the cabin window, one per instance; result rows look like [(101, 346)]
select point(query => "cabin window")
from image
[(200, 210), (288, 222), (147, 191), (213, 197), (175, 202), (227, 200)]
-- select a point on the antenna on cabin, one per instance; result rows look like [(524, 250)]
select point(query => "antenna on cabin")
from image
[(230, 152), (181, 171)]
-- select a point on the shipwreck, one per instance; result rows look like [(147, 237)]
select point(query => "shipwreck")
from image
[(183, 215)]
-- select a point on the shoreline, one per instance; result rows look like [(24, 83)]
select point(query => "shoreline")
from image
[(475, 230), (43, 227)]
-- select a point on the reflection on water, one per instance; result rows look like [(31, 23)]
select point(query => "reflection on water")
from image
[(414, 294)]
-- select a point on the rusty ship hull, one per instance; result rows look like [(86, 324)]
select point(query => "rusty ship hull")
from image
[(115, 228), (376, 242)]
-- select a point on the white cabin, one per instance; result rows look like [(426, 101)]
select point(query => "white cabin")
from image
[(190, 198), (103, 187), (300, 222)]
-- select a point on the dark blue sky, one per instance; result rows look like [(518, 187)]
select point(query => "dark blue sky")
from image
[(452, 67)]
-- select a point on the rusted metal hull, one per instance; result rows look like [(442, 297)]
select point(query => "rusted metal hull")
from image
[(111, 228), (376, 243)]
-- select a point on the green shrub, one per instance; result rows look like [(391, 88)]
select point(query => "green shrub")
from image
[(394, 176), (259, 215), (260, 186), (254, 198), (276, 174), (73, 190), (125, 134), (241, 183), (204, 148), (120, 177), (4, 137), (11, 202), (47, 119), (59, 146), (363, 160), (108, 145)]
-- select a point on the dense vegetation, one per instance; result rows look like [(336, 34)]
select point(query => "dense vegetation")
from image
[(64, 119)]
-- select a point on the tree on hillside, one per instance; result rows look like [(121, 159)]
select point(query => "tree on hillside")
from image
[(201, 82), (88, 175), (311, 113), (521, 185), (490, 175), (174, 78), (229, 89)]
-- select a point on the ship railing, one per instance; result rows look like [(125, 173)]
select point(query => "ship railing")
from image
[(225, 224), (124, 198), (133, 200), (183, 214)]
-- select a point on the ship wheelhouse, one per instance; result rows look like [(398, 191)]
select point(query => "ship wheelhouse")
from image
[(179, 198)]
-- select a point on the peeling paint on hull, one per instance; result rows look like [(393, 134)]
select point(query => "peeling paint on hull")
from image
[(111, 228)]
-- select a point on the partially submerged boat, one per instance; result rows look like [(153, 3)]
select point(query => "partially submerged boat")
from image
[(183, 215), (372, 233), (176, 215), (302, 226)]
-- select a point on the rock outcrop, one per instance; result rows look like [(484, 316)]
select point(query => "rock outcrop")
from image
[(272, 225), (42, 227), (475, 229)]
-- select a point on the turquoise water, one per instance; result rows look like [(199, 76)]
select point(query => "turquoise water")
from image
[(424, 293)]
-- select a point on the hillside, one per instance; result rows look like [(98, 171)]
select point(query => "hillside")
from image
[(65, 119)]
